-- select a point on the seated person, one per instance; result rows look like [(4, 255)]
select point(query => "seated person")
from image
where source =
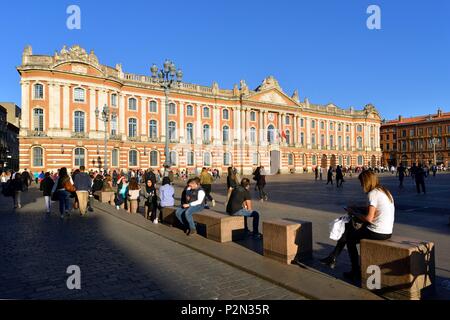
[(166, 193), (240, 204), (377, 223), (195, 203)]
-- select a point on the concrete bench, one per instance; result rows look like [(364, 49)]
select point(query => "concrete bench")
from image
[(286, 240), (407, 266), (167, 216), (105, 196), (220, 227)]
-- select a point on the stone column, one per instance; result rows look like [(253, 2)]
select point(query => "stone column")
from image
[(308, 132), (25, 107), (144, 109), (66, 108), (92, 120), (181, 130), (352, 137), (327, 135), (55, 107), (261, 127), (198, 127), (121, 121), (162, 123), (295, 134)]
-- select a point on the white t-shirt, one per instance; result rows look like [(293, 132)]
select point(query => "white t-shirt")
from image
[(384, 217)]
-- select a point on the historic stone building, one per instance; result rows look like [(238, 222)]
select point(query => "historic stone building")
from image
[(422, 140), (209, 126), (9, 136)]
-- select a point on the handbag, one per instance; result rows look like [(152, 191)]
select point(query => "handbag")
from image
[(69, 186)]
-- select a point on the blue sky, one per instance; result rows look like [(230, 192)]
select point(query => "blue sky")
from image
[(323, 48)]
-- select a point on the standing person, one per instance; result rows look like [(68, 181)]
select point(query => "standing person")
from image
[(206, 181), (419, 176), (195, 204), (36, 177), (240, 204), (150, 201), (231, 182), (46, 187), (121, 196), (3, 179), (412, 171), (330, 175), (83, 183), (26, 179), (378, 223), (261, 183), (17, 187), (133, 195), (339, 177), (321, 170), (150, 175), (401, 174), (63, 187), (41, 177), (115, 176), (316, 172), (434, 169)]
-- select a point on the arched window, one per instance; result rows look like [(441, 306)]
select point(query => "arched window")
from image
[(359, 142), (38, 157), (225, 134), (190, 158), (206, 133), (290, 159), (359, 128), (78, 121), (347, 128), (79, 95), (38, 91), (253, 135), (172, 131), (339, 127), (271, 134), (225, 114), (114, 126), (205, 112), (331, 141), (288, 120), (115, 158), (172, 108), (173, 158), (331, 125), (114, 100), (288, 137), (314, 160), (132, 127), (153, 158), (153, 129), (322, 125), (79, 157), (38, 119), (132, 104), (227, 159), (133, 158), (189, 133), (189, 110), (153, 107), (207, 159), (360, 160)]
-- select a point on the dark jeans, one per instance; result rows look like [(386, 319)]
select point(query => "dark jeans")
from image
[(351, 238), (251, 214), (207, 189), (64, 201), (420, 184), (329, 180), (188, 212), (262, 193)]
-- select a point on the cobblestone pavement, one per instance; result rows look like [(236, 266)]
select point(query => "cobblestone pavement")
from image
[(117, 261)]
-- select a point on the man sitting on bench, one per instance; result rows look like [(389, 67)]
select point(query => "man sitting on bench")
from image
[(240, 204), (195, 204)]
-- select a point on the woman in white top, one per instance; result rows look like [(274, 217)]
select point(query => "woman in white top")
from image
[(377, 224)]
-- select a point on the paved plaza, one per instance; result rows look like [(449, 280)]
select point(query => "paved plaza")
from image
[(120, 260)]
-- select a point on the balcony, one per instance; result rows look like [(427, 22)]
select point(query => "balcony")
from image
[(79, 135), (37, 133), (117, 137), (133, 138)]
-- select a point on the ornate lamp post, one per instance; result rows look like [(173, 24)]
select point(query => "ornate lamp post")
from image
[(167, 77), (105, 115), (434, 141)]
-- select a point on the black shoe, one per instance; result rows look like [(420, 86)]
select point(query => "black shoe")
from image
[(330, 261), (90, 209)]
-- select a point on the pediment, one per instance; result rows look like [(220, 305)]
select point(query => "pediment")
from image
[(78, 67), (274, 96)]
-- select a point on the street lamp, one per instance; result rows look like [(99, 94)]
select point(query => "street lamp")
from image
[(105, 115), (167, 77), (434, 141)]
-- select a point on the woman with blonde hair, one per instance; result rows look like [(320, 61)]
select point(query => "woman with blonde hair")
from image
[(375, 222)]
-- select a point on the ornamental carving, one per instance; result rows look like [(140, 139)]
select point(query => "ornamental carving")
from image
[(76, 53)]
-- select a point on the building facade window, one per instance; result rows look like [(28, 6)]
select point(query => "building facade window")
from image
[(38, 119), (331, 141), (225, 114), (207, 159), (252, 116), (253, 135), (190, 158), (172, 131), (313, 124), (314, 160), (359, 143), (79, 121), (302, 139), (173, 158), (359, 128), (79, 95), (255, 158), (133, 158), (153, 107), (38, 91), (38, 157), (288, 120), (206, 133), (227, 159), (271, 134), (189, 133), (302, 122), (313, 140), (115, 158), (153, 129), (189, 110), (113, 126), (322, 140), (360, 160), (132, 127), (206, 112), (132, 104), (290, 159), (114, 100), (226, 134), (79, 157), (172, 108), (288, 137), (153, 158), (322, 125), (347, 142)]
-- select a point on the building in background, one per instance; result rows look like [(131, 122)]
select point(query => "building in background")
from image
[(9, 155), (422, 140), (209, 126)]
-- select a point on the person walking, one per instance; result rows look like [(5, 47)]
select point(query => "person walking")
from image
[(316, 172), (195, 204), (419, 176), (377, 223), (206, 181), (17, 187), (240, 204), (83, 184), (261, 183), (401, 175), (330, 175), (148, 193), (339, 177), (63, 187), (26, 178), (46, 187)]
